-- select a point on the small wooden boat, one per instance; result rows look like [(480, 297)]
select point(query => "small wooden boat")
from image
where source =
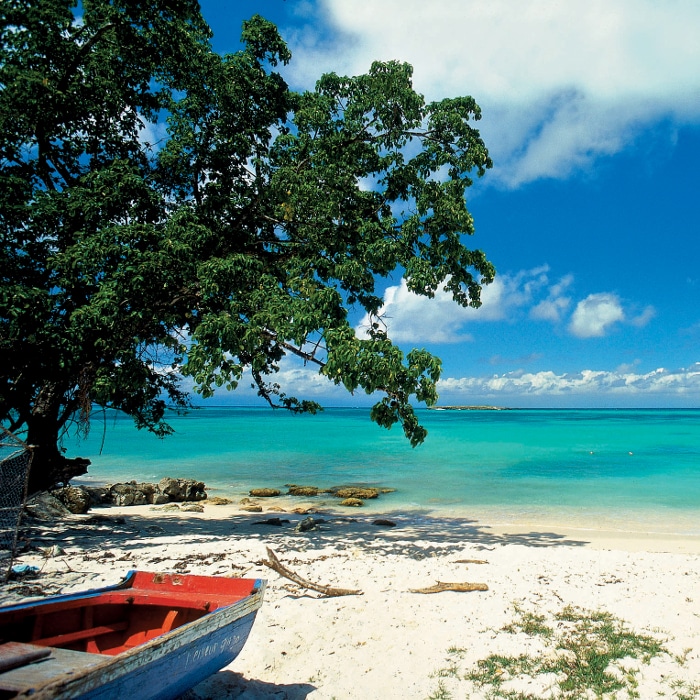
[(151, 637)]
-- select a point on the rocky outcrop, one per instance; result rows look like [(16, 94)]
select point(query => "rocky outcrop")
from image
[(79, 499), (252, 509), (182, 489), (306, 491), (75, 498), (133, 494), (352, 502), (45, 506), (264, 493), (360, 493)]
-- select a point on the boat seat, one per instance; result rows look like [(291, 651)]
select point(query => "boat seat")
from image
[(16, 654), (70, 637), (55, 663)]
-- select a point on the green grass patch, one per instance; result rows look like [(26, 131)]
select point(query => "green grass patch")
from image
[(584, 653)]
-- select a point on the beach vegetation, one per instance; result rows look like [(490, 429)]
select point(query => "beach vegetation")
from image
[(175, 220), (585, 653), (440, 693)]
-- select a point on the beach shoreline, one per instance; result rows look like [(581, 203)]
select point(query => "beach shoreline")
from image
[(656, 534), (631, 523), (390, 641)]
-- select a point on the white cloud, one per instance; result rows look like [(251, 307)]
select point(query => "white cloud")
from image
[(553, 307), (643, 318), (594, 316), (560, 83), (620, 383), (412, 318)]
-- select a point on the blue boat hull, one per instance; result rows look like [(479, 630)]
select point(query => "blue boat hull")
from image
[(162, 668)]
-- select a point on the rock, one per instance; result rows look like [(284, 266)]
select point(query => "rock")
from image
[(99, 495), (44, 506), (168, 490), (381, 522), (218, 501), (75, 498), (308, 524), (55, 551), (193, 508), (277, 522), (303, 510), (354, 502), (150, 491), (276, 509), (306, 491), (127, 495), (252, 509), (182, 489), (356, 493), (264, 493), (167, 508)]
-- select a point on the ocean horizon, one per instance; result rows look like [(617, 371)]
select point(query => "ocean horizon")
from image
[(617, 468)]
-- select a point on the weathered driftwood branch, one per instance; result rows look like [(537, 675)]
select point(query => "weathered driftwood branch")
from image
[(441, 586), (276, 565), (471, 561)]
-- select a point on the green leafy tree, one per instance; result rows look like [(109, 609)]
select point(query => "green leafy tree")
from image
[(165, 210)]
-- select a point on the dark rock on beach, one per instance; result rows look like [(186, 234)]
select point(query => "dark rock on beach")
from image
[(75, 498), (79, 499), (130, 495), (182, 489), (381, 522), (308, 524), (45, 506), (276, 522)]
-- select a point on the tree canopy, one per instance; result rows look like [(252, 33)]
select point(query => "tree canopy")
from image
[(167, 211)]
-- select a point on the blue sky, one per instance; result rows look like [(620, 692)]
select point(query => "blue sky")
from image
[(591, 215)]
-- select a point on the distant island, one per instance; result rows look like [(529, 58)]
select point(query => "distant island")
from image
[(469, 408)]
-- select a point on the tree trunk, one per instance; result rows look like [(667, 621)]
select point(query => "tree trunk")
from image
[(49, 466)]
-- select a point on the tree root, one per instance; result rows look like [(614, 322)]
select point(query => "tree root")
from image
[(274, 563), (446, 586)]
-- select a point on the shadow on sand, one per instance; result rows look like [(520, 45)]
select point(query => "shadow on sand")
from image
[(229, 684), (417, 535)]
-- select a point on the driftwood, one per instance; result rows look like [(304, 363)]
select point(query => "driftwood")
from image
[(471, 561), (441, 586), (276, 565)]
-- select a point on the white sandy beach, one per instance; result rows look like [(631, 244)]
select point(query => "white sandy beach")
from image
[(390, 642)]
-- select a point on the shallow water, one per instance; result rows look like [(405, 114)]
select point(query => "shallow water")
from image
[(591, 467)]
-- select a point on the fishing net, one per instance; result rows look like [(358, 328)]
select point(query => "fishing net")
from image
[(15, 459)]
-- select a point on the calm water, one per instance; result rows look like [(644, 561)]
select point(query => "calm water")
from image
[(594, 467)]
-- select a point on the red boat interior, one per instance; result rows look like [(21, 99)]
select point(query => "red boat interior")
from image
[(117, 620)]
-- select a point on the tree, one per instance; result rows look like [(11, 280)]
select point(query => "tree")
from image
[(167, 211)]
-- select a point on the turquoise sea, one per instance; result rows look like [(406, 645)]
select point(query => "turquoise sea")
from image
[(622, 469)]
